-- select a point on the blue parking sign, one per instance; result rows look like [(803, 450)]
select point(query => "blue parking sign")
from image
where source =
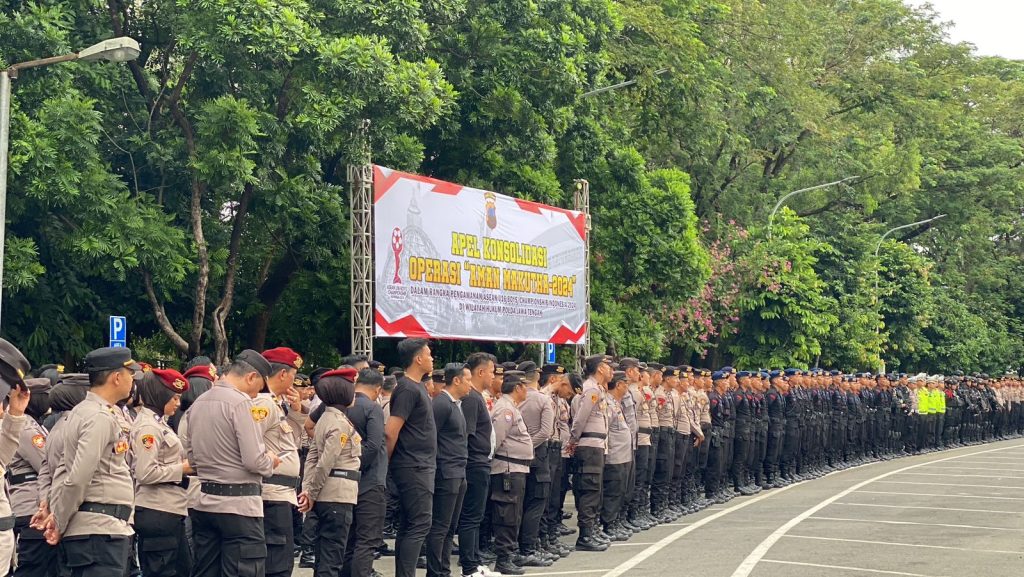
[(550, 353), (118, 332)]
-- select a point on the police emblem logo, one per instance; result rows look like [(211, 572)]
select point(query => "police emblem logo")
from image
[(213, 372), (148, 442), (593, 397), (344, 439), (357, 440), (121, 447), (259, 413), (491, 210), (508, 416), (298, 362), (179, 385), (38, 441)]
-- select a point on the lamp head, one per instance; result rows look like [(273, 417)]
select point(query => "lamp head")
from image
[(120, 49)]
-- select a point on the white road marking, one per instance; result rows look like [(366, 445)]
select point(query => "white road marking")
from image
[(953, 526), (941, 495), (844, 568), (989, 469), (916, 474), (642, 556), (895, 544), (931, 508), (950, 484), (748, 564), (630, 544), (576, 572)]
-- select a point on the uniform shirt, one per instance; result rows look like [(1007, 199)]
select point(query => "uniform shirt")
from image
[(511, 438), (54, 455), (194, 486), (278, 434), (562, 422), (629, 412), (417, 441), (336, 445), (10, 432), (93, 468), (368, 419), (642, 402), (29, 459), (452, 442), (683, 414), (620, 437), (588, 416), (538, 415), (225, 445), (478, 429), (157, 464), (665, 407), (704, 406)]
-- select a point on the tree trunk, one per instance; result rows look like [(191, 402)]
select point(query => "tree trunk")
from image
[(220, 314), (269, 294)]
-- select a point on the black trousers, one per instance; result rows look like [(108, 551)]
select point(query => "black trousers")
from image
[(553, 508), (538, 487), (163, 549), (614, 483), (587, 485), (365, 534), (507, 490), (95, 555), (474, 503), (229, 545), (36, 558), (335, 519), (641, 458), (277, 527), (415, 487), (447, 504), (309, 529)]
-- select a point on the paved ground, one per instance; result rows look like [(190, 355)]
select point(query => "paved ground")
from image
[(948, 514)]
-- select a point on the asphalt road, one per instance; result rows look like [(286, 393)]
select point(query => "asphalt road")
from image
[(948, 514)]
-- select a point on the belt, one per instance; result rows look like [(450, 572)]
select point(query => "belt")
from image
[(7, 523), (122, 512), (183, 483), (645, 430), (282, 481), (523, 462), (232, 489), (591, 436), (23, 478), (345, 474)]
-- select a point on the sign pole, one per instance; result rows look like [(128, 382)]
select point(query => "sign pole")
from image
[(360, 179), (581, 203)]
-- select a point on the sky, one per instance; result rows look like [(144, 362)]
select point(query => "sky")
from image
[(994, 26)]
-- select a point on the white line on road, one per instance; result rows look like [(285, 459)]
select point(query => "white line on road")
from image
[(941, 495), (576, 572), (844, 568), (950, 484), (963, 475), (642, 556), (759, 552), (952, 526), (975, 469), (895, 544), (630, 544), (931, 508)]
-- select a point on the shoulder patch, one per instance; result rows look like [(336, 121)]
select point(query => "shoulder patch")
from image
[(259, 413), (38, 441), (508, 416), (148, 442), (593, 397), (344, 439), (121, 447)]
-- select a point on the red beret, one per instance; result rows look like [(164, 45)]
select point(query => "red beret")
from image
[(348, 374), (208, 372), (172, 379), (284, 356)]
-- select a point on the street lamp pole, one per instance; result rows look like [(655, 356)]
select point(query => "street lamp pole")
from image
[(778, 205), (878, 265), (114, 50)]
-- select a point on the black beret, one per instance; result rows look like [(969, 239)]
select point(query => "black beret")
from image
[(255, 360), (109, 359)]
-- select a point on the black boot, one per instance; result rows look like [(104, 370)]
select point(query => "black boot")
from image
[(585, 542)]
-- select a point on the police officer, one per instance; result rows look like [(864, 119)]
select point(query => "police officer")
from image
[(716, 452), (776, 427), (588, 439), (662, 481), (615, 477), (14, 367), (161, 470), (89, 512), (556, 385), (331, 481), (643, 399), (225, 446), (368, 514), (538, 413), (513, 455), (35, 557)]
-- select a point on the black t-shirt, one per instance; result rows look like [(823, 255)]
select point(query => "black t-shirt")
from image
[(478, 429), (451, 438), (417, 441)]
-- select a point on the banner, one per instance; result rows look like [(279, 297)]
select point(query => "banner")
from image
[(454, 262)]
